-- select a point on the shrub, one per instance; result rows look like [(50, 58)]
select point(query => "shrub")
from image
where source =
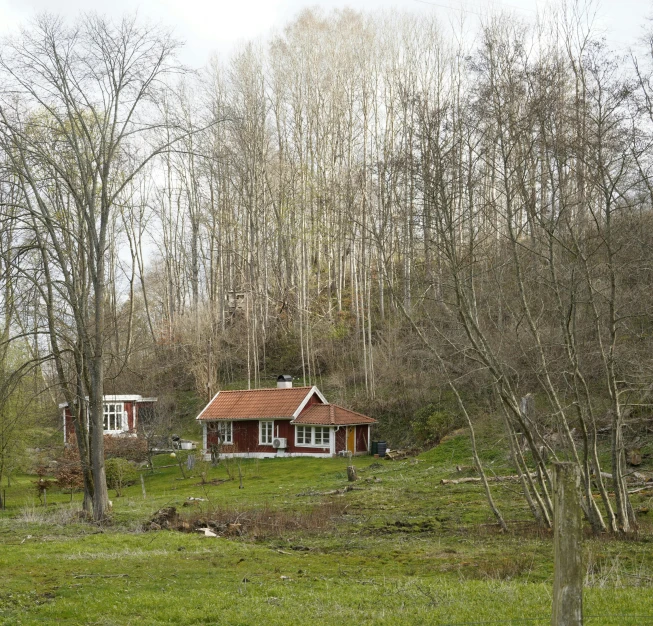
[(69, 473), (120, 473), (430, 424), (131, 448)]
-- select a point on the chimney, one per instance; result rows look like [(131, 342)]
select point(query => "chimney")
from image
[(284, 381)]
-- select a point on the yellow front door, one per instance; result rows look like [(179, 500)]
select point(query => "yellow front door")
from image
[(351, 440)]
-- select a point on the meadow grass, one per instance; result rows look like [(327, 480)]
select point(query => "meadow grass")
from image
[(401, 548)]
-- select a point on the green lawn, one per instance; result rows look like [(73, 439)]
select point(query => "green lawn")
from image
[(401, 548)]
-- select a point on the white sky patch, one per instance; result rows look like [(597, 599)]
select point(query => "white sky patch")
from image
[(219, 26)]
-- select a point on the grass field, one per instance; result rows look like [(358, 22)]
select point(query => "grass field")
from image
[(400, 549)]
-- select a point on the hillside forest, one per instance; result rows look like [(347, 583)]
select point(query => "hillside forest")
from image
[(439, 225)]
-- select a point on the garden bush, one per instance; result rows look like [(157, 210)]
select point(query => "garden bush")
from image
[(120, 473)]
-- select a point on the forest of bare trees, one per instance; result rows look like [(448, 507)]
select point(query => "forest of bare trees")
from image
[(393, 208)]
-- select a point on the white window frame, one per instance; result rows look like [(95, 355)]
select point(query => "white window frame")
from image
[(309, 438), (304, 430), (324, 430), (265, 432), (225, 432), (118, 412)]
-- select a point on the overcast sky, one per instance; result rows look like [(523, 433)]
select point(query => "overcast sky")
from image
[(209, 26)]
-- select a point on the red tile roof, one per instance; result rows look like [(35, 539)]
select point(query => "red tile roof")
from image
[(332, 414), (256, 404)]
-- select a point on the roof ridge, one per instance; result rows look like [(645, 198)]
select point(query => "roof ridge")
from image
[(262, 389)]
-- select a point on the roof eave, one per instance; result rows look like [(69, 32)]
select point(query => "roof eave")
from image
[(207, 406), (230, 418), (334, 425), (302, 423)]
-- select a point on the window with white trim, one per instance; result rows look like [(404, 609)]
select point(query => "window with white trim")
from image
[(224, 431), (303, 435), (265, 433), (321, 436), (313, 436), (113, 416)]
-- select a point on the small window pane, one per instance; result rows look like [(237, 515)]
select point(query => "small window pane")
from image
[(321, 435)]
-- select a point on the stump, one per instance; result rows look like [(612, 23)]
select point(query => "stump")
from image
[(351, 473)]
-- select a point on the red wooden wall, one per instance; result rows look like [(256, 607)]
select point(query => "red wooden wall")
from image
[(362, 443), (246, 438)]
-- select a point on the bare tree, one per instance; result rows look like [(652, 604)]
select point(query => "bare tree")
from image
[(73, 121)]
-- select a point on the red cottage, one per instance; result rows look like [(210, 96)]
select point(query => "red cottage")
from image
[(286, 421), (122, 415)]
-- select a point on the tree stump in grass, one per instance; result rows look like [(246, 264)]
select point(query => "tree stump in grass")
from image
[(351, 473)]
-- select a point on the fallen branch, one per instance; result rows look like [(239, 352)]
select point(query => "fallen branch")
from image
[(333, 492), (101, 576), (491, 479), (636, 475), (497, 479)]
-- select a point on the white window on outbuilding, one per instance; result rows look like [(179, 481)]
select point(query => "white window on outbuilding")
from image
[(265, 433), (113, 417)]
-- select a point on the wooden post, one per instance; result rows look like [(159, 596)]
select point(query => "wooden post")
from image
[(143, 487), (568, 532)]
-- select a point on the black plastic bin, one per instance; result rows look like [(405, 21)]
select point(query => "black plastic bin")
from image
[(375, 447), (382, 447)]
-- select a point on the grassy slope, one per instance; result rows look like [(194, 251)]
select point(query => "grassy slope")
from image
[(405, 549)]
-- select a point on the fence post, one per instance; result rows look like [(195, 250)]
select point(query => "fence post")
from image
[(143, 487), (568, 531)]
